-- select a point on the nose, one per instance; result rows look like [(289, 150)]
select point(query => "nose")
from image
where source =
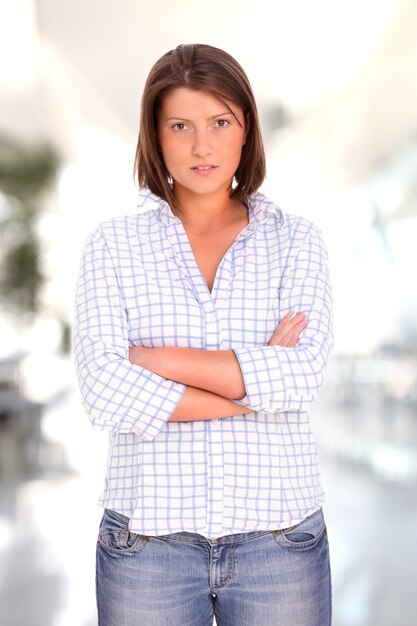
[(201, 144)]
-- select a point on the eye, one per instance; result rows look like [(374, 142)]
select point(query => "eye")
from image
[(222, 123), (179, 126)]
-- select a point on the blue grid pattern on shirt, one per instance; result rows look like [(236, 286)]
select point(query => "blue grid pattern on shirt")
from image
[(139, 284)]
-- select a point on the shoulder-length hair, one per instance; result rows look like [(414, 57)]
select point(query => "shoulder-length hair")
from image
[(205, 68)]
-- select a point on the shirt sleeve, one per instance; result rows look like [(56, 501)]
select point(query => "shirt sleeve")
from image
[(117, 395), (287, 379)]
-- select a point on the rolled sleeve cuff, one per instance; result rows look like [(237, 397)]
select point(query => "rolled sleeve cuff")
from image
[(256, 371), (153, 399), (159, 406)]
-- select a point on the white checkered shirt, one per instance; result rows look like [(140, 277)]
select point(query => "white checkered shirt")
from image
[(139, 284)]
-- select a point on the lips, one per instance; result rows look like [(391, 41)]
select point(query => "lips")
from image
[(204, 170)]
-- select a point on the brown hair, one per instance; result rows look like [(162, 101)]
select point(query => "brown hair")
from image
[(202, 67)]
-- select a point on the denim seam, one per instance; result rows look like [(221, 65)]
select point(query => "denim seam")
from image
[(133, 549), (301, 546), (230, 573)]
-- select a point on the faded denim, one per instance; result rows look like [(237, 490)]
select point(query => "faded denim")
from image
[(265, 578)]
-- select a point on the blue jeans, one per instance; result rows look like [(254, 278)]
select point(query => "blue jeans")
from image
[(264, 578)]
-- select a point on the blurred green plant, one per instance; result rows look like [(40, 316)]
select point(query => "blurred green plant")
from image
[(26, 174)]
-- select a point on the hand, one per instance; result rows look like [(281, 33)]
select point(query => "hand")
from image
[(288, 330)]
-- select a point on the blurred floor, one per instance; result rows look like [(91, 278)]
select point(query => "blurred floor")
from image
[(373, 538), (48, 527)]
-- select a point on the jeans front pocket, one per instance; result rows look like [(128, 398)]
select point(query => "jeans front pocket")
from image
[(115, 536), (303, 536)]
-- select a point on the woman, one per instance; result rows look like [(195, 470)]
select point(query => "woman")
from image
[(202, 330)]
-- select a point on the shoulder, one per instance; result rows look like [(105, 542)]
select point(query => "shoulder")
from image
[(119, 231), (301, 228), (288, 225)]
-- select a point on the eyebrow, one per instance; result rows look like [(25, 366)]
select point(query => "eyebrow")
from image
[(184, 119)]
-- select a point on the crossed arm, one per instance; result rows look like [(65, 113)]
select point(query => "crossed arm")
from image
[(138, 391), (213, 378)]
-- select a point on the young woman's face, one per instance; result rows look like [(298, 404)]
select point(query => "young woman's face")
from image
[(201, 140)]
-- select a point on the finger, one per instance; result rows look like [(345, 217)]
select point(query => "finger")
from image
[(287, 316), (284, 330), (287, 339), (285, 326), (294, 339), (283, 322), (295, 336), (300, 326)]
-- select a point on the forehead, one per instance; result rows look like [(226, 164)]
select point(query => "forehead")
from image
[(194, 101)]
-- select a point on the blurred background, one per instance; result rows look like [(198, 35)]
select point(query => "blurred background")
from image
[(336, 84)]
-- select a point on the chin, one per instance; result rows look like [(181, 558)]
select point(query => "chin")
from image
[(206, 187)]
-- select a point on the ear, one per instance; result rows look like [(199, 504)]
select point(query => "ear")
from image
[(247, 127)]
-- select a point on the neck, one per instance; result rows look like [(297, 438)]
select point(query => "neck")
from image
[(207, 211)]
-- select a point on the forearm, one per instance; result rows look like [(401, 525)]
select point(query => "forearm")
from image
[(199, 404), (217, 371)]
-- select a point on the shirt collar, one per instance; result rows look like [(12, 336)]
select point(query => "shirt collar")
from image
[(260, 207)]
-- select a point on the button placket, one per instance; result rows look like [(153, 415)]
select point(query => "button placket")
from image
[(182, 254), (212, 328), (215, 472)]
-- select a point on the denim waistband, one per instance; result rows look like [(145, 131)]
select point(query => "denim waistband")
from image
[(196, 538), (188, 537)]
